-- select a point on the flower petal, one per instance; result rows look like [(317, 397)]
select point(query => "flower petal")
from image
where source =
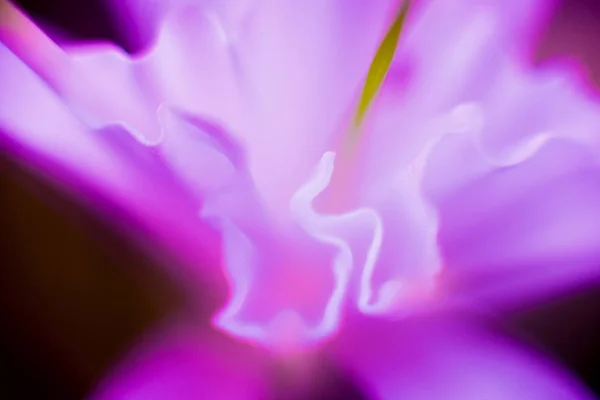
[(452, 52), (183, 363), (189, 67), (237, 73), (288, 284), (110, 165), (32, 115), (455, 47), (484, 114), (408, 259), (528, 231), (447, 357), (304, 64), (517, 205)]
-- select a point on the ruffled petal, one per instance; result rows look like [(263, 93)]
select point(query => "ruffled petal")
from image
[(460, 98), (288, 284), (518, 203), (188, 67), (527, 231), (407, 259), (159, 184), (451, 52), (445, 357), (254, 68)]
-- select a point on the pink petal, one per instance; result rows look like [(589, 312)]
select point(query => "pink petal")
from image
[(188, 67), (458, 109), (276, 85), (303, 64), (517, 206), (184, 363), (146, 180), (452, 52), (528, 231), (31, 113), (455, 47), (289, 283), (445, 357)]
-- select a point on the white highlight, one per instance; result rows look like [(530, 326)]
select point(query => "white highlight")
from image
[(466, 118), (325, 228), (240, 257), (319, 226), (425, 217), (469, 118)]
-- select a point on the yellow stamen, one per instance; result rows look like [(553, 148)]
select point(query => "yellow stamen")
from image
[(344, 172), (379, 67)]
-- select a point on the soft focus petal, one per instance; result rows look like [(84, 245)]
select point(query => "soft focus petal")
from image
[(442, 357), (226, 114), (527, 231), (518, 205), (289, 285), (139, 20), (188, 67), (450, 56), (460, 109), (192, 164), (304, 63), (185, 364), (296, 84), (454, 47), (146, 180), (407, 259), (282, 88), (452, 52), (33, 115)]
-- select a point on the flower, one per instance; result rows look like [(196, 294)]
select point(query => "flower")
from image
[(472, 181)]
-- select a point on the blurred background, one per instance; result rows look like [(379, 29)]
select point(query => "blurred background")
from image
[(74, 293)]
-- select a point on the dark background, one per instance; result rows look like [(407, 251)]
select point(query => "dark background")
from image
[(74, 294)]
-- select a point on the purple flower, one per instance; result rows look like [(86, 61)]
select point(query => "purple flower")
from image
[(472, 184)]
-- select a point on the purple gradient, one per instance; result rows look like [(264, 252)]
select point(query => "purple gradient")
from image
[(474, 173)]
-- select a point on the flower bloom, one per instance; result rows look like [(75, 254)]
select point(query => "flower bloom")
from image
[(473, 181)]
